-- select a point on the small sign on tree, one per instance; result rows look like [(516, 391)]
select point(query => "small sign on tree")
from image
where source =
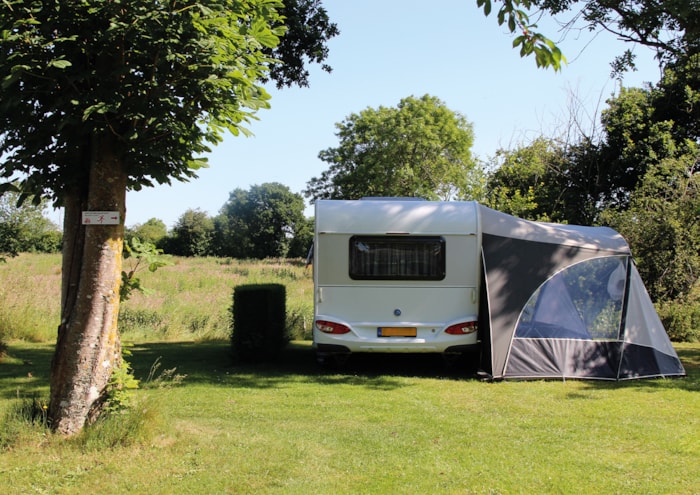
[(100, 218)]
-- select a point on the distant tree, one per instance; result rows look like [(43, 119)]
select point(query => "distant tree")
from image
[(420, 148), (25, 228), (260, 222), (191, 235), (152, 232), (520, 181), (303, 238)]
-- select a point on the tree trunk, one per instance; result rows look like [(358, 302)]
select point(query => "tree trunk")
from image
[(88, 346)]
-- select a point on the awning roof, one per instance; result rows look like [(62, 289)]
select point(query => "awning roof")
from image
[(594, 238)]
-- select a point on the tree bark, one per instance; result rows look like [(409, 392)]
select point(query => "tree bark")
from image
[(88, 346)]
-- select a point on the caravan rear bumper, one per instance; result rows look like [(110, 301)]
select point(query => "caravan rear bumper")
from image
[(335, 349)]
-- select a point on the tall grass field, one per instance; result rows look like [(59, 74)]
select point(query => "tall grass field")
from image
[(201, 424), (187, 300)]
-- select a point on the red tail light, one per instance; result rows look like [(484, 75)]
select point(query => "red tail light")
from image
[(331, 327), (463, 328)]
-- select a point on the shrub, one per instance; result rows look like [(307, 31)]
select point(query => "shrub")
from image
[(681, 319), (258, 331)]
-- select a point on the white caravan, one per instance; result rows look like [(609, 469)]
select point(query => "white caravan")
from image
[(396, 276)]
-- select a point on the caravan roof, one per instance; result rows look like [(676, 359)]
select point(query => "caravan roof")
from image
[(388, 216)]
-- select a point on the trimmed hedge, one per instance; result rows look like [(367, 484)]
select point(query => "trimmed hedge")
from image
[(258, 331)]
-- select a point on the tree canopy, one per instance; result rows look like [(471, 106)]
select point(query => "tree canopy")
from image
[(521, 181), (418, 148), (164, 79), (260, 222), (308, 28), (191, 235)]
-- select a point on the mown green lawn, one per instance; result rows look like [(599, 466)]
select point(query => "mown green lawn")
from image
[(399, 424)]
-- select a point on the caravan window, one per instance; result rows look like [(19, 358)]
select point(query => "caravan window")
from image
[(397, 258)]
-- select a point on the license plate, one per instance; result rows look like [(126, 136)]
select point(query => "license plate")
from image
[(396, 332)]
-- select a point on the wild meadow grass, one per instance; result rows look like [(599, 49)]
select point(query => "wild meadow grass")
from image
[(187, 300), (379, 425), (192, 298), (30, 293)]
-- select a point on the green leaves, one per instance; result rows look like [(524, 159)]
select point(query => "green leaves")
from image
[(166, 79), (546, 53), (486, 5), (139, 253), (59, 63), (98, 108)]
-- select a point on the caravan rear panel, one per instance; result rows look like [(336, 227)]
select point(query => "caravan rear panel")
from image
[(396, 276)]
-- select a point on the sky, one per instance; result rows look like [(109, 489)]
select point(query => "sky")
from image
[(388, 50)]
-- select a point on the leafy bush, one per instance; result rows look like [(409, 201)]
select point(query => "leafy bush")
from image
[(681, 320), (258, 331)]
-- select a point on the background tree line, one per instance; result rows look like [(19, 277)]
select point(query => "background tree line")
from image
[(637, 172), (265, 221)]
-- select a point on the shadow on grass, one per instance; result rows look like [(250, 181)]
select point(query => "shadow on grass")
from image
[(25, 373), (211, 363)]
